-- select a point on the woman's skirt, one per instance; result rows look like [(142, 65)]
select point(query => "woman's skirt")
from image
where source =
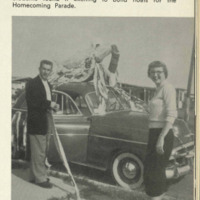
[(154, 167)]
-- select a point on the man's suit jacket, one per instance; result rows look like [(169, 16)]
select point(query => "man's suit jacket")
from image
[(38, 106)]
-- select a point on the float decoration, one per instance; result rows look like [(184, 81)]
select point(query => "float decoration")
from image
[(88, 66)]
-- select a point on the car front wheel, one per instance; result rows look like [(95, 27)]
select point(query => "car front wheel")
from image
[(127, 170)]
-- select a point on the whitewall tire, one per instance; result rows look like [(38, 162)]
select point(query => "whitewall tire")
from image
[(127, 170)]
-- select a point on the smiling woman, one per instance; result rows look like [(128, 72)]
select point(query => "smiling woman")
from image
[(162, 114)]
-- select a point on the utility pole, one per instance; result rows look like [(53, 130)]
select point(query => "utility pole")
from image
[(189, 86)]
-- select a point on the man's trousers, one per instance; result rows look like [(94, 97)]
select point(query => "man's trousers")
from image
[(39, 148)]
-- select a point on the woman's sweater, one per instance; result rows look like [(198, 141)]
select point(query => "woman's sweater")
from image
[(162, 107)]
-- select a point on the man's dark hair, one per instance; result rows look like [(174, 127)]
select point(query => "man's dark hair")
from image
[(47, 62)]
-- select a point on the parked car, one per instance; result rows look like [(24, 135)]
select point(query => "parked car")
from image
[(115, 140)]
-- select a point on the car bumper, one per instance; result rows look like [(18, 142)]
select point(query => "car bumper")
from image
[(177, 172), (180, 166)]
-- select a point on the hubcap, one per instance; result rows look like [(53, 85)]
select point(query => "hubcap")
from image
[(129, 170)]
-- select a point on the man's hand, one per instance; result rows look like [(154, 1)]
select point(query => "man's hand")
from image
[(55, 106), (160, 145)]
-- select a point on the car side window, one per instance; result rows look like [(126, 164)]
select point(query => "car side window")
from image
[(112, 103), (81, 103), (66, 104)]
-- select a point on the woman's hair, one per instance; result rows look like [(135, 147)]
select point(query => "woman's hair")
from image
[(156, 64)]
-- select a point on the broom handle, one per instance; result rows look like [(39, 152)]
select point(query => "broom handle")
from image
[(64, 159)]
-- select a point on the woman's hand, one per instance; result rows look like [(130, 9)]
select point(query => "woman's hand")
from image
[(160, 145), (161, 138)]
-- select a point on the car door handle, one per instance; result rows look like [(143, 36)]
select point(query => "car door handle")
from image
[(89, 119)]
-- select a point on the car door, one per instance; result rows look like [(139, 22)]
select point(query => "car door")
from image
[(72, 127)]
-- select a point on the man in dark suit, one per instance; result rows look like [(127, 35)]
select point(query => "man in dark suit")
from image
[(39, 103)]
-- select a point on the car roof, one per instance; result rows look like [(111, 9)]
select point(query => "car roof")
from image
[(81, 88)]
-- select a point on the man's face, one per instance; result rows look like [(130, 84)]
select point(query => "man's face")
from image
[(45, 70)]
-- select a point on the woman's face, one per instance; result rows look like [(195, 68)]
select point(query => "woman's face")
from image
[(157, 75)]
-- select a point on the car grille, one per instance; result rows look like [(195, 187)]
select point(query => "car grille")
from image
[(181, 161), (185, 149)]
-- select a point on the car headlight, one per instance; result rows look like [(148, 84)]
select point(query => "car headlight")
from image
[(176, 131)]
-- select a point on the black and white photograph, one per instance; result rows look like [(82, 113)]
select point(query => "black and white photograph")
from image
[(103, 108)]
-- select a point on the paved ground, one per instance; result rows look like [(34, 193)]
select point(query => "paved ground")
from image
[(23, 190), (183, 189), (93, 185)]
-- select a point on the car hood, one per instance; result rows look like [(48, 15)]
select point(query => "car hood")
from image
[(133, 126)]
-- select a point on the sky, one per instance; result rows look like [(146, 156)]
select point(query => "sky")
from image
[(140, 41)]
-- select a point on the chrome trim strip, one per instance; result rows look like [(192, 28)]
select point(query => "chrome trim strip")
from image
[(123, 140), (65, 115), (187, 155), (73, 134), (73, 126), (61, 115), (173, 156), (182, 146), (17, 128), (19, 109)]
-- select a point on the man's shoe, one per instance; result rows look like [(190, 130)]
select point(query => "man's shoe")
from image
[(32, 181), (45, 184)]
